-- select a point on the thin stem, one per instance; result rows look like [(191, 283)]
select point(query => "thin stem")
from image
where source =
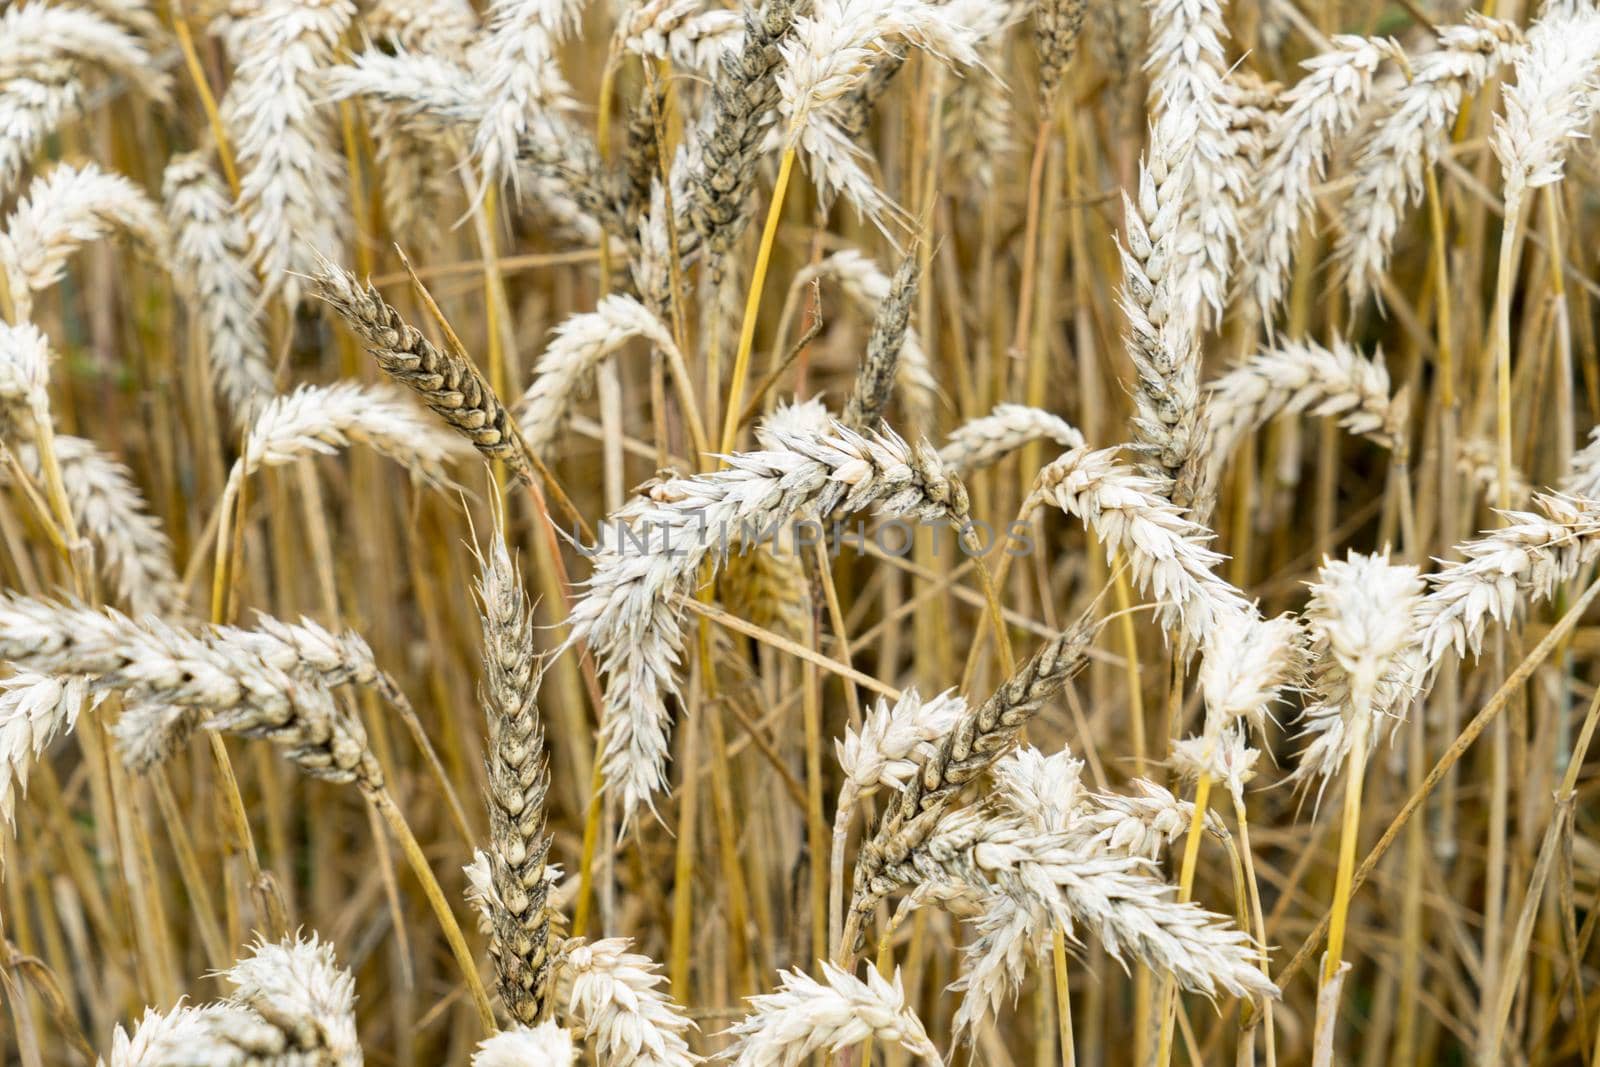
[(385, 804), (752, 304)]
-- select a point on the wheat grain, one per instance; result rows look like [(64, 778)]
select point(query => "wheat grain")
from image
[(448, 384), (806, 1016), (869, 396), (1552, 102)]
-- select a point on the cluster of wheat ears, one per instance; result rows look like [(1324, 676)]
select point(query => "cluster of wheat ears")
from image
[(1079, 549)]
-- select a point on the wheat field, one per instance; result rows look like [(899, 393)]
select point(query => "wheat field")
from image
[(821, 531)]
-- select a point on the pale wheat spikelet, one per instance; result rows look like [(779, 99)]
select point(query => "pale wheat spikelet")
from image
[(988, 439), (1552, 103), (1477, 462), (1159, 299), (169, 677), (693, 38), (520, 81), (111, 511), (1303, 377), (806, 1016), (1390, 165), (449, 385), (310, 651), (1166, 552), (1317, 111), (291, 173), (1365, 643), (874, 382), (212, 246), (34, 708), (299, 988), (1073, 884), (62, 211), (1248, 662), (421, 87), (615, 999), (518, 780), (1056, 26), (1227, 759), (979, 737), (1583, 470), (869, 288), (440, 27), (978, 129), (1142, 822), (24, 377), (651, 551), (1187, 62), (831, 49), (322, 419), (880, 756), (726, 144), (545, 1045), (1505, 569), (32, 107), (1046, 794), (215, 1035), (34, 35), (575, 350)]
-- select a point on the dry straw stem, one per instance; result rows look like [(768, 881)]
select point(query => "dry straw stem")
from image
[(518, 782), (63, 210), (806, 1016), (450, 386), (654, 547), (987, 439)]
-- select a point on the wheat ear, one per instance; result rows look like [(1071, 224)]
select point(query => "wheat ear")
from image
[(449, 385)]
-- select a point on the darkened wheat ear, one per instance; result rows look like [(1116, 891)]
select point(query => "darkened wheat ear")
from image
[(744, 97), (448, 384), (875, 380), (1056, 26), (518, 781)]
